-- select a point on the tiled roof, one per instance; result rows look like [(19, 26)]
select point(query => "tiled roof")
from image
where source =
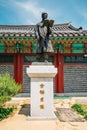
[(65, 29)]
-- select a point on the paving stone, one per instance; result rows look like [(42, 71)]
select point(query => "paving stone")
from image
[(68, 114)]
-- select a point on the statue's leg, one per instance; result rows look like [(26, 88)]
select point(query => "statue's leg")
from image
[(40, 50), (46, 56)]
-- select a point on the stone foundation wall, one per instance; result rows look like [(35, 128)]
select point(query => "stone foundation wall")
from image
[(7, 69), (75, 78), (26, 81)]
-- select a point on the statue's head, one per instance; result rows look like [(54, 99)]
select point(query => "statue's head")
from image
[(44, 15)]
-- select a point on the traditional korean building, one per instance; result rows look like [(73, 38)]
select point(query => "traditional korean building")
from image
[(18, 51)]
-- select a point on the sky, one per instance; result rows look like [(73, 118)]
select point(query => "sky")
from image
[(28, 12)]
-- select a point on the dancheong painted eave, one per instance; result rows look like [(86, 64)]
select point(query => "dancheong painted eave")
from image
[(59, 30)]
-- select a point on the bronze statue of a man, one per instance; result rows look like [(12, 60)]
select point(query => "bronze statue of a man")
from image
[(42, 32)]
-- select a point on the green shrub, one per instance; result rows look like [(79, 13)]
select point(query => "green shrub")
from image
[(3, 99), (4, 112), (80, 110), (8, 88)]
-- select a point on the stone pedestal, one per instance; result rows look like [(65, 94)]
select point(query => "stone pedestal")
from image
[(42, 75)]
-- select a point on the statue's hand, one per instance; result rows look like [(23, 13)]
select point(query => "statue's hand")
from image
[(51, 22), (46, 23)]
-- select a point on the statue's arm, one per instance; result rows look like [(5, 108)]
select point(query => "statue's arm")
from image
[(36, 30)]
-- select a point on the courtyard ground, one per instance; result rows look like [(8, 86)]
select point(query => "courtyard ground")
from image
[(18, 120)]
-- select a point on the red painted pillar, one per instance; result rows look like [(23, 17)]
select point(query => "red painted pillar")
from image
[(60, 88), (18, 68)]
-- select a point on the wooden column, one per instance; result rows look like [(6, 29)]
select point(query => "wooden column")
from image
[(18, 68), (60, 88)]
